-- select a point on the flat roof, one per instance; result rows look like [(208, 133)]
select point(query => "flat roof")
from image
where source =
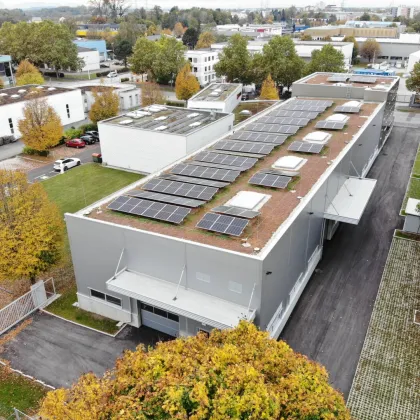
[(322, 79), (23, 93), (282, 201), (216, 92), (165, 119)]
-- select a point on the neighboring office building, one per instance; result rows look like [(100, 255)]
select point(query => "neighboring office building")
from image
[(219, 97), (202, 65), (413, 59), (90, 58), (95, 44), (66, 102), (6, 70), (151, 138), (180, 278), (321, 32), (407, 12)]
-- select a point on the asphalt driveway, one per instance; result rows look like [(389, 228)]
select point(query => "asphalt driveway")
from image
[(58, 352), (330, 321)]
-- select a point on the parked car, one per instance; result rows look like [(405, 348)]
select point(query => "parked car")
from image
[(77, 143), (88, 139), (104, 66), (118, 63), (65, 164), (112, 74), (94, 134)]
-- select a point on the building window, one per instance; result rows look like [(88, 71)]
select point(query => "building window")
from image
[(68, 110), (190, 59), (235, 287), (130, 98), (160, 312), (205, 59), (205, 78), (12, 129), (195, 69), (110, 299), (137, 99), (122, 103)]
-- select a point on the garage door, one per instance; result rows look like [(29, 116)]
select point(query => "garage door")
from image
[(159, 319)]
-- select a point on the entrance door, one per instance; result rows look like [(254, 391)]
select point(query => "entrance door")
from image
[(159, 319)]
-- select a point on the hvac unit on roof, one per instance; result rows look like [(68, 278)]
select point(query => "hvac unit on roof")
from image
[(125, 122)]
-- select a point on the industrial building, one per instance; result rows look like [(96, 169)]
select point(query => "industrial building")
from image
[(66, 102), (90, 57), (94, 44), (236, 229), (148, 139), (321, 32), (219, 97), (6, 70)]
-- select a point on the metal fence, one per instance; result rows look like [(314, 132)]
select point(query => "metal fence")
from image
[(405, 99), (19, 415), (40, 295)]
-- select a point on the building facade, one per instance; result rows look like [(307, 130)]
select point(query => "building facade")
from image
[(202, 65), (90, 57), (6, 70), (95, 44)]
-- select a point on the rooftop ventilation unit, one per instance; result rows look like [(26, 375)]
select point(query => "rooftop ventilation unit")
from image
[(249, 200), (193, 114), (318, 137), (161, 128), (162, 118), (289, 165), (353, 104), (195, 124), (126, 122)]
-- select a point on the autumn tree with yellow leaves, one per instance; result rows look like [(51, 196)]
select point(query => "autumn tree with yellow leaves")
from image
[(269, 89), (106, 104), (186, 84), (233, 374), (31, 228), (151, 94), (205, 40), (40, 126), (28, 74)]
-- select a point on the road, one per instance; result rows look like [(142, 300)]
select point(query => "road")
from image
[(330, 321), (11, 150), (47, 171)]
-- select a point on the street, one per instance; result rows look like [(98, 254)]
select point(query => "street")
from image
[(10, 150)]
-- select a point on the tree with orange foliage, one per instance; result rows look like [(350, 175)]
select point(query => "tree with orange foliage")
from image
[(269, 89), (178, 30), (28, 74), (239, 373), (186, 84), (106, 105)]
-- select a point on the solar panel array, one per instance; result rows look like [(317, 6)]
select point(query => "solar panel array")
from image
[(223, 224), (307, 105), (198, 181), (181, 188), (205, 172), (165, 198), (150, 209), (231, 160), (273, 128), (277, 139), (330, 125), (305, 147), (348, 109), (301, 122), (293, 114), (363, 79), (216, 165), (270, 180), (338, 78), (239, 146), (236, 211)]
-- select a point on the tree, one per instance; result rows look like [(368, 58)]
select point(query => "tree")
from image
[(306, 37), (186, 84), (327, 59), (413, 82), (269, 90), (205, 40), (123, 49), (178, 30), (40, 126), (235, 60), (28, 74), (151, 94), (1, 84), (355, 47), (281, 60), (332, 19), (190, 38), (236, 373), (365, 17), (370, 49), (117, 9), (31, 228), (106, 104)]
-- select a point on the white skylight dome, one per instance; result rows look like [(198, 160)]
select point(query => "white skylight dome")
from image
[(126, 122), (289, 165), (163, 117), (161, 128), (319, 137), (21, 91), (338, 118), (248, 200), (15, 96), (353, 104)]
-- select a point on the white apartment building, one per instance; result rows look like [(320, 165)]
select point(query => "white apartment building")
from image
[(66, 102), (202, 65)]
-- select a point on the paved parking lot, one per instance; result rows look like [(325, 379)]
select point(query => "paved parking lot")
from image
[(58, 352)]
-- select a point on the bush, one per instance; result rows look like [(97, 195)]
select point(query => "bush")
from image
[(102, 73), (7, 140), (52, 74), (73, 133), (125, 79), (123, 70), (176, 103), (29, 151), (89, 127)]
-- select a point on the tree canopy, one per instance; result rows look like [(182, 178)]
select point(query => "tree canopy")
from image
[(178, 30), (233, 374), (31, 228), (413, 82), (106, 104), (190, 38), (186, 84), (370, 49), (28, 74), (123, 49), (355, 47), (205, 40), (269, 90), (151, 94), (40, 126), (327, 59)]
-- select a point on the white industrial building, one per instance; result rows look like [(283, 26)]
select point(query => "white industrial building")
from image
[(219, 97), (202, 65), (235, 230), (89, 57), (148, 139), (413, 59), (66, 102)]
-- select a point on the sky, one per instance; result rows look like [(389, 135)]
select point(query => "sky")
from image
[(203, 3)]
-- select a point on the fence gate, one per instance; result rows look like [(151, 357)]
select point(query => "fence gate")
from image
[(40, 295)]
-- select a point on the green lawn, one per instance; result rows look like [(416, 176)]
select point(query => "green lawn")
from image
[(86, 184), (413, 190), (63, 307), (18, 392)]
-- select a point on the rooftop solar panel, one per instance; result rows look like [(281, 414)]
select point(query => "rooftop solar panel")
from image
[(223, 224), (338, 78), (197, 181), (236, 211), (362, 79), (165, 198), (270, 180), (294, 114), (330, 125), (305, 107), (150, 209), (238, 146), (217, 166), (348, 109), (230, 160), (301, 122), (305, 147), (205, 172), (181, 188), (273, 128), (259, 137)]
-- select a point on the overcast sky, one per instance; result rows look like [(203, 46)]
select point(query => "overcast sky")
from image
[(203, 3)]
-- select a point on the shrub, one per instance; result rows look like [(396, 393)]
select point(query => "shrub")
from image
[(89, 127), (29, 151), (73, 133), (176, 103), (102, 73), (125, 79), (7, 140)]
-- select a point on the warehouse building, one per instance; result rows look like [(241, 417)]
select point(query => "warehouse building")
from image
[(235, 230), (150, 138)]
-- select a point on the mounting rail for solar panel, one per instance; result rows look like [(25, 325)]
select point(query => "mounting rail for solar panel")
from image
[(217, 165), (196, 181), (166, 198)]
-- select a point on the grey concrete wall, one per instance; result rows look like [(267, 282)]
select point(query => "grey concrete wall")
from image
[(412, 224)]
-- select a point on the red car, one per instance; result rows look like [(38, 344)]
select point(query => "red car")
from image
[(77, 143)]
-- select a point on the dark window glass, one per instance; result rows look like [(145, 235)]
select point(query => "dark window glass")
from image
[(173, 317), (114, 300), (99, 295), (146, 307), (161, 313)]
